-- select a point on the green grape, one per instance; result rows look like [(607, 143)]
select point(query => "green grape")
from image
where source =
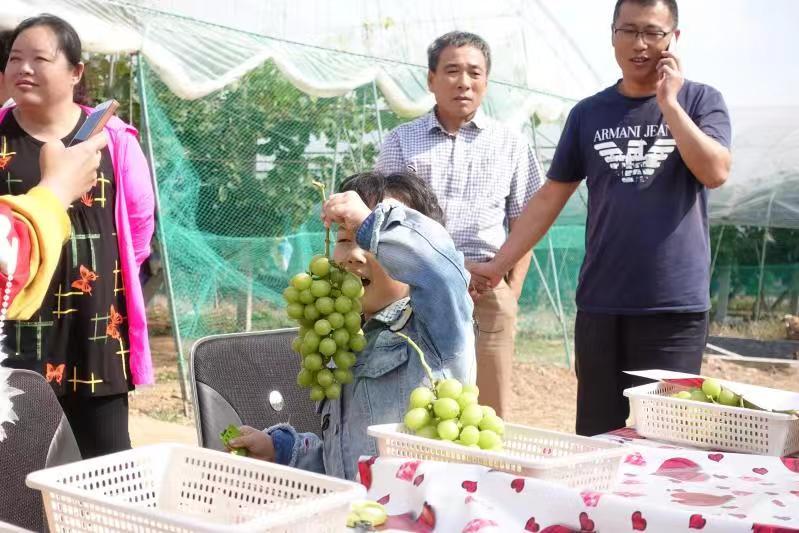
[(471, 415), (317, 393), (428, 432), (322, 327), (291, 295), (416, 418), (296, 344), (698, 396), (712, 388), (336, 276), (342, 359), (449, 388), (420, 397), (295, 310), (311, 341), (727, 397), (492, 423), (351, 286), (320, 287), (325, 305), (488, 410), (324, 377), (445, 409), (341, 338), (336, 320), (448, 429), (305, 329), (335, 293), (682, 395), (357, 306), (327, 346), (488, 440), (471, 389), (312, 362), (469, 435), (301, 281), (352, 321), (333, 391), (305, 323), (311, 312), (306, 297), (305, 377), (342, 376), (306, 349), (357, 343), (320, 266), (467, 398), (343, 304)]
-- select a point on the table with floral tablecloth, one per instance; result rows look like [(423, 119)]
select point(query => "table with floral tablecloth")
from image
[(659, 489)]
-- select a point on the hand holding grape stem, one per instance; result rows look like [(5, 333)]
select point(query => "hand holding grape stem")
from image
[(258, 444), (345, 209)]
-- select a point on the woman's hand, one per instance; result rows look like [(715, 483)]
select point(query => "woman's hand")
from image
[(70, 172)]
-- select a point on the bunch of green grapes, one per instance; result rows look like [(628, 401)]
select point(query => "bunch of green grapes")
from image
[(326, 302), (711, 391), (449, 411)]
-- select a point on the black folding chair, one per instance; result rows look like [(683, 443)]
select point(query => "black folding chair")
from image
[(41, 438), (250, 379)]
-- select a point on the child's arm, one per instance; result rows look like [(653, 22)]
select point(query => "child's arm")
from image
[(283, 445), (417, 251)]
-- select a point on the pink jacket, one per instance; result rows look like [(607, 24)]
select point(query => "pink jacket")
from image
[(134, 213)]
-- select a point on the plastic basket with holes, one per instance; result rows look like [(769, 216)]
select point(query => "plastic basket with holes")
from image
[(708, 425), (177, 488), (571, 460)]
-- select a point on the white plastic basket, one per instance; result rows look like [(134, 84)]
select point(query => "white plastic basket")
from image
[(177, 488), (707, 425), (571, 460)]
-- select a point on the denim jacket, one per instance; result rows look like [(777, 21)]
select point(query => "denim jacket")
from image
[(417, 251)]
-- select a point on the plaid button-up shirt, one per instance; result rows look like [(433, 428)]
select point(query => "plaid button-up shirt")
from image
[(482, 177)]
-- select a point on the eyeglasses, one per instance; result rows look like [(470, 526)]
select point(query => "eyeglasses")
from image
[(649, 36)]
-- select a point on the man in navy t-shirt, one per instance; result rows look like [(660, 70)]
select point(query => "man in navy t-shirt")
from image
[(649, 148)]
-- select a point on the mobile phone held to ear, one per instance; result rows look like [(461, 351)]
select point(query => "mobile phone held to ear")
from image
[(96, 121), (672, 46)]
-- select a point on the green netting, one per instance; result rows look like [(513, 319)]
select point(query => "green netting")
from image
[(238, 213)]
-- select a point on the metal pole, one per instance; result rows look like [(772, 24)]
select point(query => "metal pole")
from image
[(763, 256), (145, 118), (561, 315), (716, 252), (377, 114)]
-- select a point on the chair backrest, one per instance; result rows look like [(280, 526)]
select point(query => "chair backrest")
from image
[(233, 376), (41, 438)]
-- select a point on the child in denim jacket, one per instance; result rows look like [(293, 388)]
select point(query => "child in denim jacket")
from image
[(390, 234)]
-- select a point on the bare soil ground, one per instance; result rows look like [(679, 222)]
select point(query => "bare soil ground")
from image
[(543, 395)]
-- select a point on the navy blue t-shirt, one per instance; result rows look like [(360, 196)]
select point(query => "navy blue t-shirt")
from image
[(647, 241)]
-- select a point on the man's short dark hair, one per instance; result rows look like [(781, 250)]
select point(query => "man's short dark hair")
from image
[(5, 47), (671, 4), (374, 187), (457, 39)]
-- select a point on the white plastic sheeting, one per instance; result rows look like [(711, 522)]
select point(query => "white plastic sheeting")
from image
[(356, 47), (329, 48)]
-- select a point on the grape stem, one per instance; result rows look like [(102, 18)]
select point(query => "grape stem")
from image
[(321, 187), (426, 367)]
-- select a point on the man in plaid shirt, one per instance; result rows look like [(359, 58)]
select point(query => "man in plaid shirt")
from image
[(483, 175)]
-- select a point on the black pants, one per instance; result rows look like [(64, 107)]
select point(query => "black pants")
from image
[(100, 423), (606, 345)]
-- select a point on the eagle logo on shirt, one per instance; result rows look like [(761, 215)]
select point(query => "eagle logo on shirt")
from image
[(637, 165)]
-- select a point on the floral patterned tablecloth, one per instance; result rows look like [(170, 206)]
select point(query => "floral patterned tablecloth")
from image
[(659, 489)]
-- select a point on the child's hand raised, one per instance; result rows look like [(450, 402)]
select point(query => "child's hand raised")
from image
[(258, 444), (345, 209)]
